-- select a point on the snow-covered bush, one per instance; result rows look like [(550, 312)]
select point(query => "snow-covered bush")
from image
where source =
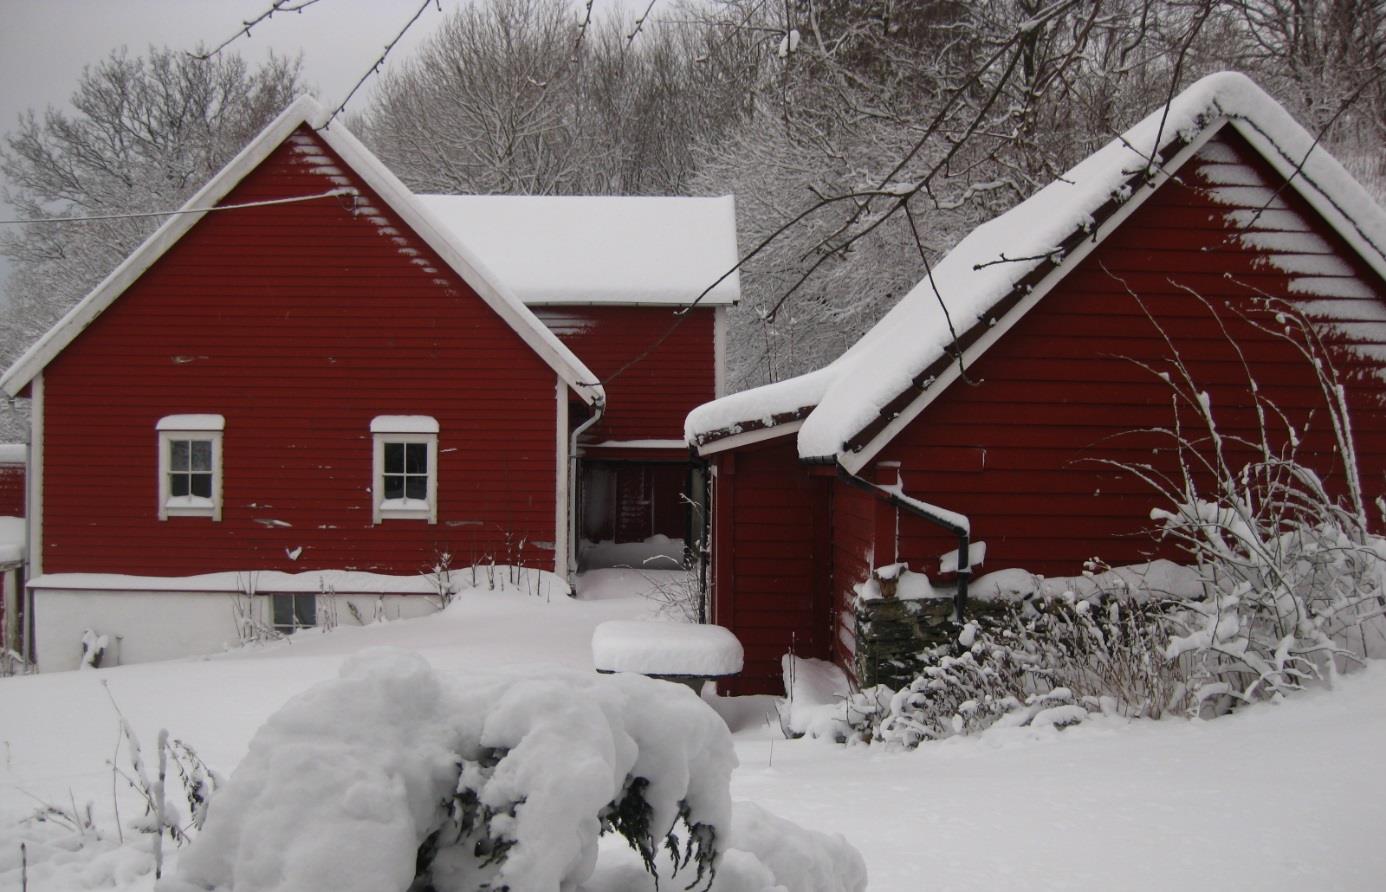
[(1294, 580), (1045, 661), (393, 775)]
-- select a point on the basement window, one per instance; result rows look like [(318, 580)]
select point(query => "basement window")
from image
[(190, 465), (405, 480), (294, 612)]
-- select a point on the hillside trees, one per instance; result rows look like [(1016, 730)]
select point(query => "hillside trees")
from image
[(527, 97)]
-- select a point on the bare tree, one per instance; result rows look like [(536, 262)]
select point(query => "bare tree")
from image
[(144, 134), (528, 97)]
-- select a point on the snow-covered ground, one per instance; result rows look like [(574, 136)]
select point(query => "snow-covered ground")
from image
[(1279, 797)]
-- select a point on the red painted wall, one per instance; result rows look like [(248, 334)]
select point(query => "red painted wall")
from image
[(771, 562), (11, 490), (298, 323), (1019, 452), (650, 399)]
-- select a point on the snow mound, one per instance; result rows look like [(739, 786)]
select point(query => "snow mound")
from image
[(817, 699), (796, 859), (393, 773), (655, 648)]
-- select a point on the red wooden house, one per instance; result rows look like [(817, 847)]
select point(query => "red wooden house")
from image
[(1181, 237), (322, 384)]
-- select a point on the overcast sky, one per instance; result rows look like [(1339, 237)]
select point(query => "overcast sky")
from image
[(45, 43)]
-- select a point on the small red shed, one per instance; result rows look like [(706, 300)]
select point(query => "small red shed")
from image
[(1179, 239), (309, 380)]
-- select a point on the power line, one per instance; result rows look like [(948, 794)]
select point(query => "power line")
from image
[(331, 193)]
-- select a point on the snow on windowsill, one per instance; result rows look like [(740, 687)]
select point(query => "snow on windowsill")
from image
[(404, 424), (404, 509), (655, 648), (188, 503), (202, 422)]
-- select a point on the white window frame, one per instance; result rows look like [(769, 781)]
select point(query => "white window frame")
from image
[(404, 429), (172, 428)]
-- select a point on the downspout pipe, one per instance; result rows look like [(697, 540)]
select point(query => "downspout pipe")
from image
[(598, 410), (961, 531), (696, 460)]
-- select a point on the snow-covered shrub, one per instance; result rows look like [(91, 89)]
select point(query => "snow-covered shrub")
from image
[(1045, 661), (1294, 580), (393, 775), (93, 649), (678, 595)]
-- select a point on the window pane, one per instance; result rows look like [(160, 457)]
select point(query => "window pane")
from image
[(202, 485), (394, 458), (416, 487), (283, 611), (177, 484), (305, 610), (201, 455), (178, 455), (416, 458), (394, 486)]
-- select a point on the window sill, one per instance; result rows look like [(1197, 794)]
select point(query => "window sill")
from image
[(406, 509), (189, 506)]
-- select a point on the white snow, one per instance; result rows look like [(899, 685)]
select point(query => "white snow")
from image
[(599, 249), (404, 424), (665, 648), (1279, 797), (981, 269), (342, 785), (817, 692), (658, 552), (203, 422), (13, 539)]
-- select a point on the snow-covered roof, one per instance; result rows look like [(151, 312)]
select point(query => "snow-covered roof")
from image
[(984, 288), (306, 111), (600, 249)]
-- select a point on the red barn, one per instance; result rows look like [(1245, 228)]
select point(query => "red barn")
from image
[(1182, 239), (321, 384)]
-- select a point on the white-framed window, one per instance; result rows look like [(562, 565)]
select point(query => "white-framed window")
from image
[(405, 479), (190, 466), (292, 612)]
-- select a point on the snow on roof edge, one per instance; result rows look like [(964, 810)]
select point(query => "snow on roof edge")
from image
[(855, 387)]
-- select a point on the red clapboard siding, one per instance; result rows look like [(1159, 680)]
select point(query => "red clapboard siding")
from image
[(770, 561), (1059, 393), (299, 323), (650, 399), (11, 490)]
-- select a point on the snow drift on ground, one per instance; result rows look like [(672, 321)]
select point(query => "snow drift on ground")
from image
[(1277, 797)]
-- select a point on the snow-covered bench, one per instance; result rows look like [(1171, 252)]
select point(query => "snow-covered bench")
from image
[(681, 652)]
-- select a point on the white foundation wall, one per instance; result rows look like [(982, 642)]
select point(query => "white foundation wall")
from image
[(142, 627)]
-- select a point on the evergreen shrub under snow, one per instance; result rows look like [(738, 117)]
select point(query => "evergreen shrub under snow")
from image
[(394, 777)]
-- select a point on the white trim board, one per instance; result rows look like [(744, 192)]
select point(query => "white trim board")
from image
[(746, 438)]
